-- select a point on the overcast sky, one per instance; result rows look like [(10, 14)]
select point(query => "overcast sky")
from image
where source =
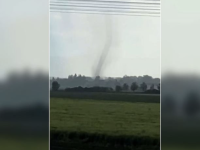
[(24, 36), (180, 48), (77, 40)]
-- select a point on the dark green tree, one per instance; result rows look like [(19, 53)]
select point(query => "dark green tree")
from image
[(143, 86), (118, 88), (55, 85), (125, 87), (134, 86)]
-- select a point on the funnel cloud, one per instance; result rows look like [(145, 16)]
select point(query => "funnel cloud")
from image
[(101, 61)]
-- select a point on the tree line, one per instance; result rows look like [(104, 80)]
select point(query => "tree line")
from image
[(125, 88), (80, 80)]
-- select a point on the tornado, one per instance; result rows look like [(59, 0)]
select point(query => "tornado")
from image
[(101, 61)]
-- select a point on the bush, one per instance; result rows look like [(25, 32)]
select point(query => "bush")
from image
[(55, 85)]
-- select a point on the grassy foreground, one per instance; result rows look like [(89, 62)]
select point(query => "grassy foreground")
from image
[(96, 124)]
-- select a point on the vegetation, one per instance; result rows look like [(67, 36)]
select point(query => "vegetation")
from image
[(84, 81), (143, 86), (55, 85), (94, 113), (152, 87), (118, 88), (125, 87), (96, 124), (158, 86), (134, 86), (110, 96), (89, 89)]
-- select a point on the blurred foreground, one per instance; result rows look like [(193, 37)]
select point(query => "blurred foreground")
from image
[(180, 111), (24, 111)]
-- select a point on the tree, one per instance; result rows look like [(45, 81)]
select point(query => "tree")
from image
[(118, 88), (125, 87), (134, 86), (152, 87), (158, 86), (55, 85), (143, 86)]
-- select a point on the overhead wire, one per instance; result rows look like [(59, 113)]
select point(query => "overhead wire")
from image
[(101, 4), (91, 6), (98, 10), (111, 1), (104, 8), (96, 13)]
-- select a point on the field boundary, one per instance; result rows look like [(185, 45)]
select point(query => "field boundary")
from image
[(126, 97)]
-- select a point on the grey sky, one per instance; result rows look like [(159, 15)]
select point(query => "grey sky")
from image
[(180, 48), (77, 40), (24, 35)]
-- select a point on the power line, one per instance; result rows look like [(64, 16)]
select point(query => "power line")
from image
[(108, 1), (91, 6), (63, 6), (104, 4), (107, 10), (98, 10), (100, 4), (82, 12)]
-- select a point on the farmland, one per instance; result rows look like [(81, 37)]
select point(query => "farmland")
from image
[(108, 96), (90, 123)]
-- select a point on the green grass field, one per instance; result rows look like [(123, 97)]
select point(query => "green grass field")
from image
[(105, 122), (112, 96)]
